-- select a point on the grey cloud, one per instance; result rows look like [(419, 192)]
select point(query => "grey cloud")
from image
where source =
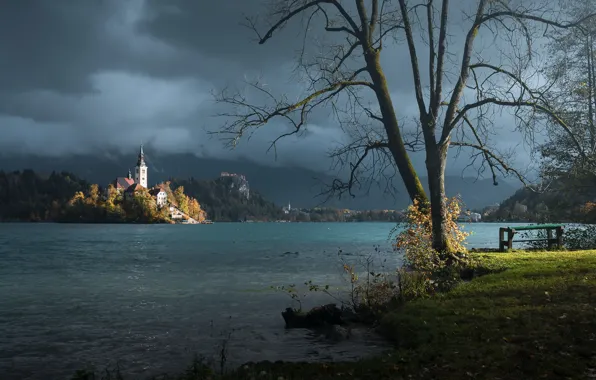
[(91, 75), (47, 45)]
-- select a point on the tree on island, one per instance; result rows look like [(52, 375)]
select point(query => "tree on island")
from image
[(447, 115), (140, 206), (186, 204)]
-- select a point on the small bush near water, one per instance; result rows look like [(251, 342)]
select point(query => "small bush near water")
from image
[(372, 290)]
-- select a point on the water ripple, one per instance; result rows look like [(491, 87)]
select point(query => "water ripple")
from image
[(153, 296)]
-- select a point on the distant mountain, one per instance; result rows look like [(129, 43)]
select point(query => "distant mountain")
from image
[(280, 185), (224, 200)]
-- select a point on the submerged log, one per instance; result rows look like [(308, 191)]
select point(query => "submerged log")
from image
[(317, 317)]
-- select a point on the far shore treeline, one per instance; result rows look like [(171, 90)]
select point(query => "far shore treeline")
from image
[(64, 197)]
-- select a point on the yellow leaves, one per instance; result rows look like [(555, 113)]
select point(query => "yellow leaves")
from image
[(78, 197), (349, 269), (416, 238), (588, 207)]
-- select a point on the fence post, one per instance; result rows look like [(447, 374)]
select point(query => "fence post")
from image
[(549, 237), (559, 237), (510, 233)]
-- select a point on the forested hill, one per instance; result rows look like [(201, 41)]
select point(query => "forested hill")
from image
[(29, 196), (564, 201), (222, 201)]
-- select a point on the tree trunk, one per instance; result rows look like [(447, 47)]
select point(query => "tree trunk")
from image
[(593, 76), (591, 95), (395, 140), (436, 160)]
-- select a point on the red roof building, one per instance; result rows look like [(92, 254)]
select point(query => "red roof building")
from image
[(123, 183)]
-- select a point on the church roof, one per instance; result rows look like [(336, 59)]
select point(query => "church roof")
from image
[(134, 187), (123, 182)]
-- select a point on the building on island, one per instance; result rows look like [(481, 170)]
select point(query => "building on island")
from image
[(128, 185), (123, 183), (287, 209), (132, 189), (141, 172), (141, 169), (161, 196)]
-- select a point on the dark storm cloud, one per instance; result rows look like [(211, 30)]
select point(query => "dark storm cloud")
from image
[(49, 45), (79, 76)]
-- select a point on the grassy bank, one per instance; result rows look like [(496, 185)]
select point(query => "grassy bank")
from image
[(533, 317)]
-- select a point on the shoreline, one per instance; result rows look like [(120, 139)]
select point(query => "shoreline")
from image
[(487, 341), (250, 222)]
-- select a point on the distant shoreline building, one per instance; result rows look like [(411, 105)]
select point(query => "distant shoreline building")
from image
[(287, 209)]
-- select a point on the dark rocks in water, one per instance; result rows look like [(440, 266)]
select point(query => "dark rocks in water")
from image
[(317, 317), (290, 253)]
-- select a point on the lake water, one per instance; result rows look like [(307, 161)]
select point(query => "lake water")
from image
[(151, 296)]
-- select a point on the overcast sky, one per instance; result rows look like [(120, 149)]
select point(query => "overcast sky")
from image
[(89, 75)]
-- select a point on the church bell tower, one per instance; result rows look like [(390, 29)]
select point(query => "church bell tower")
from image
[(141, 169)]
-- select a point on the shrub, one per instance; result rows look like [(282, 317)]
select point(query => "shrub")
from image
[(574, 238), (580, 237), (370, 287), (412, 285), (439, 270), (425, 271)]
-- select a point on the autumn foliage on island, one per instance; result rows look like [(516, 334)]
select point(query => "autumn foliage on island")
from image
[(140, 206)]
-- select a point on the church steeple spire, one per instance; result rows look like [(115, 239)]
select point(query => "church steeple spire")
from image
[(141, 169), (141, 159)]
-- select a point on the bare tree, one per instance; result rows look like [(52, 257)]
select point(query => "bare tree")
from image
[(458, 95), (572, 67)]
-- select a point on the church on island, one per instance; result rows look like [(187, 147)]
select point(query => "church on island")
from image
[(129, 186)]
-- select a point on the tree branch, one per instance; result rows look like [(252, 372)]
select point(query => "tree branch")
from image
[(374, 17), (463, 76), (431, 54), (518, 104), (314, 3), (492, 157), (438, 90), (346, 55), (339, 187), (523, 16), (252, 116), (413, 58), (330, 28)]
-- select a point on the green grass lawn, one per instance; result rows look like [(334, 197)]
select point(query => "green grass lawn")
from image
[(533, 318)]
